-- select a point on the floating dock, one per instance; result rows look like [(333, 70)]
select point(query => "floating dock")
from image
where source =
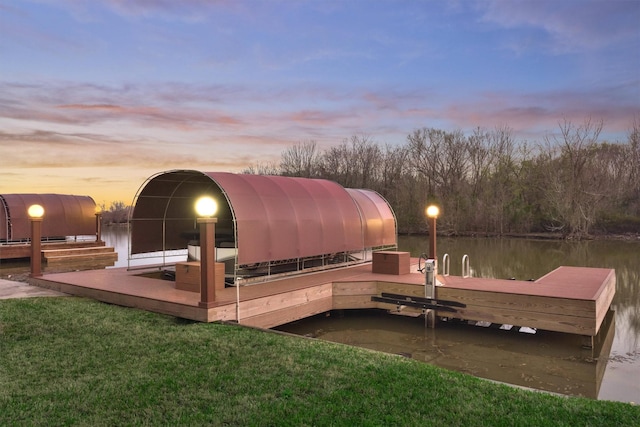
[(572, 300)]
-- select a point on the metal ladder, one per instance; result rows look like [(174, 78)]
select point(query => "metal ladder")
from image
[(445, 264), (466, 270)]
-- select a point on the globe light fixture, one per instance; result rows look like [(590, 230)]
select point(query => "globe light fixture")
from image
[(206, 207), (35, 211), (432, 211)]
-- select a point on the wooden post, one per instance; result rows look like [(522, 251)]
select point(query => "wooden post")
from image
[(98, 226), (36, 253), (207, 262), (431, 270), (430, 317), (432, 238)]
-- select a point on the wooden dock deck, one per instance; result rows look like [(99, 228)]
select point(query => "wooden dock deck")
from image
[(569, 299)]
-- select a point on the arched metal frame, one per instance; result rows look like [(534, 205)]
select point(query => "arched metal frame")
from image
[(170, 232), (272, 224)]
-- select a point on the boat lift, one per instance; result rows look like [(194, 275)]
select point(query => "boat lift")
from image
[(429, 302)]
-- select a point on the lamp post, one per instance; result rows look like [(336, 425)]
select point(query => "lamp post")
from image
[(206, 207), (36, 212), (432, 212), (431, 264)]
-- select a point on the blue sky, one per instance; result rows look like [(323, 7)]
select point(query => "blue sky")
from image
[(98, 95)]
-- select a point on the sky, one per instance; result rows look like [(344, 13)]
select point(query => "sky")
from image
[(96, 96)]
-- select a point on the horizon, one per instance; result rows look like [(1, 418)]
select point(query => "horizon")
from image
[(98, 96)]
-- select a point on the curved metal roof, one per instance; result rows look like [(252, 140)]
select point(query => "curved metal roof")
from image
[(379, 223), (267, 218), (284, 218), (64, 215)]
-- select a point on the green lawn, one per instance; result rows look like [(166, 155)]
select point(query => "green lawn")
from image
[(66, 361)]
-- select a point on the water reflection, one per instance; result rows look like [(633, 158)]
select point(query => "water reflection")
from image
[(547, 361)]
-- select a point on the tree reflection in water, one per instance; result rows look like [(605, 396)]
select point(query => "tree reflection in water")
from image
[(547, 361)]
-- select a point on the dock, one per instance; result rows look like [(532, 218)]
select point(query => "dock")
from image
[(574, 300), (571, 300)]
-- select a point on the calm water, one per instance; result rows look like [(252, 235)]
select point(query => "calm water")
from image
[(544, 360)]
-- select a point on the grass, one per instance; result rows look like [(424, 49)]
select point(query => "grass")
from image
[(72, 361)]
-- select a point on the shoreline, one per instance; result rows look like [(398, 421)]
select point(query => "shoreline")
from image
[(533, 236), (630, 236)]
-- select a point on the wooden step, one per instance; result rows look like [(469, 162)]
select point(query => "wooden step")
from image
[(23, 250), (82, 260), (94, 250)]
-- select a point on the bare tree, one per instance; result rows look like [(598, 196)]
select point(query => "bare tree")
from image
[(573, 193), (366, 158), (262, 168), (117, 213), (300, 160), (503, 180), (633, 157), (422, 157), (477, 191), (355, 163), (335, 165)]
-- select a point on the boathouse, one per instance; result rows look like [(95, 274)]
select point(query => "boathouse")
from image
[(266, 225), (70, 231), (66, 215)]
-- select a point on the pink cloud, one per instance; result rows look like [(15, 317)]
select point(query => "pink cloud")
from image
[(186, 119), (173, 115), (100, 107), (536, 113), (313, 117)]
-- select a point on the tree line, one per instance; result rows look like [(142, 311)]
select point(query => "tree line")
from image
[(116, 213), (485, 181)]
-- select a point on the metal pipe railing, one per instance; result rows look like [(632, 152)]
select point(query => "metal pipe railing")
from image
[(466, 270), (445, 264)]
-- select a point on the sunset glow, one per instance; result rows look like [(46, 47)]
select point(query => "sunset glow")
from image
[(98, 95)]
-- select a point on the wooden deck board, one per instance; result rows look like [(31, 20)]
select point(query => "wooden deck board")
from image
[(289, 314), (533, 303), (353, 301), (278, 301), (569, 299), (121, 281), (560, 283)]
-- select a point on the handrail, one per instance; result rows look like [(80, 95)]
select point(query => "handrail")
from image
[(424, 257), (466, 272), (445, 264)]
